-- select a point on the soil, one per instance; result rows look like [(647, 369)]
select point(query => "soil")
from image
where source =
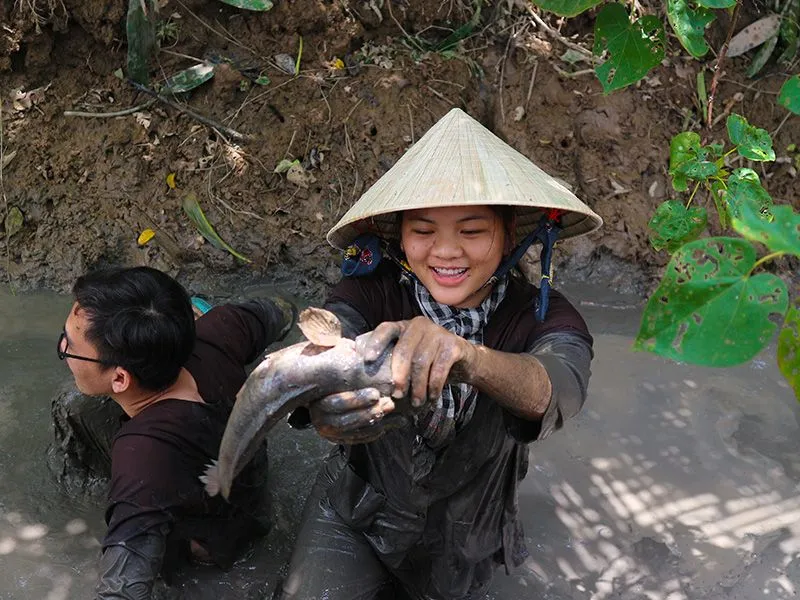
[(87, 187)]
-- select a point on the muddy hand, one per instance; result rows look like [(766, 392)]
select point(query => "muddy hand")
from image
[(422, 359), (355, 417)]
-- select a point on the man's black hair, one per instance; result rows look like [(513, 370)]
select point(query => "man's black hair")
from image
[(140, 319)]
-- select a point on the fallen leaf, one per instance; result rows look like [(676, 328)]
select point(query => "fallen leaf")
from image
[(299, 176), (171, 181), (519, 112), (7, 158), (145, 236), (192, 209), (754, 35), (285, 165), (285, 62)]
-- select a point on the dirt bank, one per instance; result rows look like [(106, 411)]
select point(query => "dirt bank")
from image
[(87, 187)]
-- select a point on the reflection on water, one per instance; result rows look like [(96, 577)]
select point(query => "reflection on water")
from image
[(47, 541), (674, 483)]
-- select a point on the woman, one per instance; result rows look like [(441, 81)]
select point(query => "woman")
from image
[(423, 503)]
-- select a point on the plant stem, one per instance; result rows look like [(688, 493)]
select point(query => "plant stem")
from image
[(731, 151), (764, 259), (694, 191), (108, 115), (717, 69)]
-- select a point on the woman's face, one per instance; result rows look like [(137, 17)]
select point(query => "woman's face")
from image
[(453, 251)]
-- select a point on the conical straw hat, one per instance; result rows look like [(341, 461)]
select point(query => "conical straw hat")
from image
[(460, 162)]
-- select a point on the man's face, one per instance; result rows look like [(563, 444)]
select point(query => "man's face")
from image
[(91, 378)]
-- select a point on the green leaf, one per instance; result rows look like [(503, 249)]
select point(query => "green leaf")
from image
[(682, 148), (789, 348), (708, 310), (788, 33), (717, 3), (262, 80), (673, 225), (762, 56), (752, 142), (789, 96), (780, 234), (188, 79), (744, 187), (258, 5), (690, 24), (285, 165), (192, 209), (720, 195), (566, 8), (634, 48), (141, 35)]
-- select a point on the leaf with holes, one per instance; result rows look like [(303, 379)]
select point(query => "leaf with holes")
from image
[(689, 160), (751, 142), (789, 96), (141, 35), (708, 310), (744, 187), (566, 8), (257, 5), (634, 48), (682, 148), (789, 348), (780, 234), (673, 225), (188, 79), (690, 24)]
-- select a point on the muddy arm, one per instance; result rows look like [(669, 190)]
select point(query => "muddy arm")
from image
[(566, 357), (128, 572)]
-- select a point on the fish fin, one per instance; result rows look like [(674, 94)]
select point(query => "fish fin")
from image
[(321, 327), (210, 479)]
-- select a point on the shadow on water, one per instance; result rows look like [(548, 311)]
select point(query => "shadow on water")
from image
[(674, 482)]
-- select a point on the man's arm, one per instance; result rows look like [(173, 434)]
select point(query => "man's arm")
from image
[(129, 569)]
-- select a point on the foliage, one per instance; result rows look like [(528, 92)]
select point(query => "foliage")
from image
[(145, 32), (196, 215), (709, 308)]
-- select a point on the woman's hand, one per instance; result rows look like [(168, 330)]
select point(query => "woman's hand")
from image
[(422, 359), (355, 417)]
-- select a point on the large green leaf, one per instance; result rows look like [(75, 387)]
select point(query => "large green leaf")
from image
[(744, 187), (690, 24), (708, 310), (780, 234), (717, 3), (566, 8), (259, 5), (634, 48), (790, 94), (188, 79), (142, 42), (192, 209), (789, 347), (673, 225), (752, 142)]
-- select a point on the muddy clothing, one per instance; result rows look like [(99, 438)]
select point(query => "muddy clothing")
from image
[(157, 503), (439, 531)]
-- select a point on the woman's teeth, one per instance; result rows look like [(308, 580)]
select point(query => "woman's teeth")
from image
[(449, 272)]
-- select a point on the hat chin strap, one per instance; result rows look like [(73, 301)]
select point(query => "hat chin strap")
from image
[(365, 253), (547, 233)]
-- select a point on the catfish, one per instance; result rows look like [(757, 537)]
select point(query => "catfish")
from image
[(290, 378)]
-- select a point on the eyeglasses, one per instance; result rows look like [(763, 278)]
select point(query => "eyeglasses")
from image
[(63, 343)]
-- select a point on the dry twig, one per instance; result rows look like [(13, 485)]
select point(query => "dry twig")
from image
[(5, 199), (109, 115), (717, 69)]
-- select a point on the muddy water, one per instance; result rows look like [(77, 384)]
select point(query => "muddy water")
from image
[(675, 482)]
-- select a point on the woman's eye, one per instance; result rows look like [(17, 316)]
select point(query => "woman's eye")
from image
[(473, 231), (421, 231)]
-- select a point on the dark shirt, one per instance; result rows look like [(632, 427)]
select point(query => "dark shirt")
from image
[(442, 534), (159, 455)]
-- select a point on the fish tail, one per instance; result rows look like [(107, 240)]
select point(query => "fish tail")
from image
[(211, 478)]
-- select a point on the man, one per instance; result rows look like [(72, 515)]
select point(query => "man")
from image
[(131, 335)]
